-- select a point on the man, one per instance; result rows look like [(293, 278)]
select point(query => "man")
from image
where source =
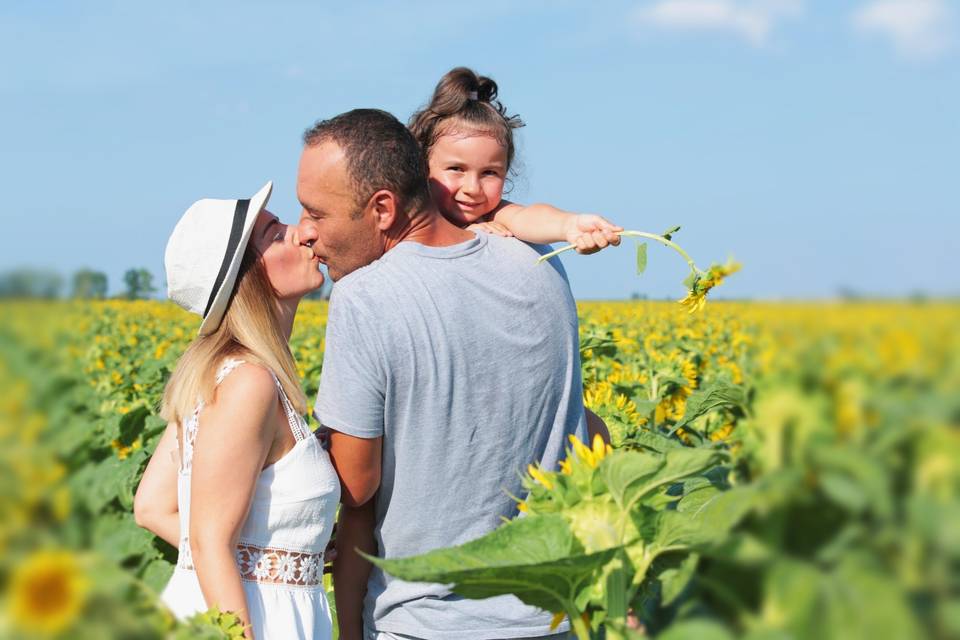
[(451, 362)]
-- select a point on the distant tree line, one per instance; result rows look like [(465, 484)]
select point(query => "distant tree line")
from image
[(89, 284), (85, 284)]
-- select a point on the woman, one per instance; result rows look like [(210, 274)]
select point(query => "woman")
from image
[(238, 482)]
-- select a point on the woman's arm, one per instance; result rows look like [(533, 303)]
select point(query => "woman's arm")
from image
[(544, 224), (155, 503), (235, 435)]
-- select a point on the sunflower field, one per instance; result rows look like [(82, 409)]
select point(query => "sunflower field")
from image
[(775, 471)]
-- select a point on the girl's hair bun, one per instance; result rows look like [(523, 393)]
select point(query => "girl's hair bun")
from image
[(486, 89), (469, 99), (457, 88)]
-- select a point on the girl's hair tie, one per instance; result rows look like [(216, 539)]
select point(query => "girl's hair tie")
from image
[(472, 95)]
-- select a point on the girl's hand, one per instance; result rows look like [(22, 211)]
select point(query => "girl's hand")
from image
[(494, 228), (589, 233)]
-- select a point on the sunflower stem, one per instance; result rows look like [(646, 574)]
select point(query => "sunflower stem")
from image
[(634, 234), (580, 628)]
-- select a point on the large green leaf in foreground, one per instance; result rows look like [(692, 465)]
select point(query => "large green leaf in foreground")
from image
[(538, 559)]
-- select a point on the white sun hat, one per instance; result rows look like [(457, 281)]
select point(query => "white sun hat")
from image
[(204, 253)]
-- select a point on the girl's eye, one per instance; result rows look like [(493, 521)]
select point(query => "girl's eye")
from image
[(491, 172), (455, 168)]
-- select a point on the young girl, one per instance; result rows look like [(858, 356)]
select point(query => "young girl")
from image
[(467, 140)]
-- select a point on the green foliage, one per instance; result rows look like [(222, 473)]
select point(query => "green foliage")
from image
[(30, 283), (590, 535), (539, 560), (668, 234), (89, 284), (211, 625), (641, 258), (779, 472), (138, 283), (716, 396)]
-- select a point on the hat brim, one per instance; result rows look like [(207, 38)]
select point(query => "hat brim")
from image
[(221, 300)]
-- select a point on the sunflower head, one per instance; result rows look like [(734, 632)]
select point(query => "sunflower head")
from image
[(574, 480), (48, 591), (701, 282)]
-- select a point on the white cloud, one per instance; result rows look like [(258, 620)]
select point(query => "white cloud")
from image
[(918, 28), (753, 20)]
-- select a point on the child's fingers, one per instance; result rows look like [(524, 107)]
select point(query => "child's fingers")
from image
[(500, 229), (600, 239), (585, 244), (606, 225), (593, 241), (593, 222), (494, 228)]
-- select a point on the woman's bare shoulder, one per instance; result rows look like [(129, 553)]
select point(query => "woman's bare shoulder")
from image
[(248, 387)]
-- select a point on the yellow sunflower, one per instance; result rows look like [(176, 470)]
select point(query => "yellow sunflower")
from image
[(47, 592)]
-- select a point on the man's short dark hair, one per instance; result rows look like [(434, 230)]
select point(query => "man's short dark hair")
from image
[(381, 153)]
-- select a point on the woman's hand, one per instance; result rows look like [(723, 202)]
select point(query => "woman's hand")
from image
[(590, 233)]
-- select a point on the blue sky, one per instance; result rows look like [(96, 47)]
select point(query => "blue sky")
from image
[(816, 141)]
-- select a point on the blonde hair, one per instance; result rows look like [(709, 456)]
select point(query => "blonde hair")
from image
[(250, 331)]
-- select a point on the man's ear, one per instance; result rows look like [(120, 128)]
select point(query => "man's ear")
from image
[(385, 207)]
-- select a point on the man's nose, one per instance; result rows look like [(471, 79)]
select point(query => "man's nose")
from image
[(307, 231)]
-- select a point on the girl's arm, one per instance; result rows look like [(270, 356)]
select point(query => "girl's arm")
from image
[(235, 435), (545, 224), (155, 504)]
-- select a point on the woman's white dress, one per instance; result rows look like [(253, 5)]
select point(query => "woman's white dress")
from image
[(281, 545)]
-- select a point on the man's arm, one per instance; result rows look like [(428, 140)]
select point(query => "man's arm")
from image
[(357, 461), (596, 427), (350, 571)]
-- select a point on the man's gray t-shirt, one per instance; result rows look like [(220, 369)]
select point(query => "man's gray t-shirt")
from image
[(466, 360)]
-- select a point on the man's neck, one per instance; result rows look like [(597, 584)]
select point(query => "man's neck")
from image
[(427, 227)]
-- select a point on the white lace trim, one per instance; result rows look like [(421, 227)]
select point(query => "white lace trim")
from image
[(298, 426), (268, 565)]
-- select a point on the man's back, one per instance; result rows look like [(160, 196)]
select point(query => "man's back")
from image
[(466, 360)]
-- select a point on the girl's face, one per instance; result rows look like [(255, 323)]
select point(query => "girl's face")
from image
[(292, 267), (466, 175)]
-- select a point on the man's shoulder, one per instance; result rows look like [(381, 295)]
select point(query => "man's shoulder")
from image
[(356, 283), (526, 255)]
